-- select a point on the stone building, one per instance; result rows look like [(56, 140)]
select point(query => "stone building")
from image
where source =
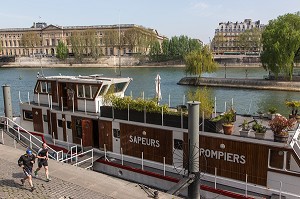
[(109, 39), (227, 41)]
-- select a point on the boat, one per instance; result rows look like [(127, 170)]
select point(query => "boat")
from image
[(151, 148)]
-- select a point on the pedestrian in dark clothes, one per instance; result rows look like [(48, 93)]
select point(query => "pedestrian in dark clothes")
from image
[(26, 162), (42, 156)]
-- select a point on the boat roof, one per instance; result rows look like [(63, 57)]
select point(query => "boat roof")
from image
[(94, 79)]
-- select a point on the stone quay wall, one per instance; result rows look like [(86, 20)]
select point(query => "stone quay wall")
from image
[(241, 83)]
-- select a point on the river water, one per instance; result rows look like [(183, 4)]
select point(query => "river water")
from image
[(245, 101)]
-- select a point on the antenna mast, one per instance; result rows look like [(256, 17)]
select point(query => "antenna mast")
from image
[(119, 47)]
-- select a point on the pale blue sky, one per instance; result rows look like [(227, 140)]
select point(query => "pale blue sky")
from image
[(194, 18)]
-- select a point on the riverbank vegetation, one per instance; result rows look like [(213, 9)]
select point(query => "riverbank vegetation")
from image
[(281, 45)]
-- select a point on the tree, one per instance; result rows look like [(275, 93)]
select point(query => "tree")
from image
[(155, 51), (200, 61), (218, 41), (91, 43), (30, 40), (204, 96), (250, 40), (78, 44), (61, 51), (281, 44)]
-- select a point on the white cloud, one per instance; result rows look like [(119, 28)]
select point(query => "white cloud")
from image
[(200, 5)]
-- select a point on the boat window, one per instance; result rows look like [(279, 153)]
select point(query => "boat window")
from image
[(59, 123), (80, 89), (94, 90), (87, 90), (69, 124), (276, 158), (43, 87), (78, 128), (103, 89), (45, 118), (178, 144), (116, 133), (119, 87), (292, 162), (27, 115)]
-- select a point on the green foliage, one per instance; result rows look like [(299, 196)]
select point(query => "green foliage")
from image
[(294, 105), (250, 40), (258, 127), (61, 51), (228, 116), (218, 41), (272, 110), (245, 125), (281, 44), (204, 96), (85, 43), (31, 40), (138, 104), (200, 61), (155, 51)]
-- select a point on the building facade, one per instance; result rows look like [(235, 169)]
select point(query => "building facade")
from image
[(228, 40), (42, 39)]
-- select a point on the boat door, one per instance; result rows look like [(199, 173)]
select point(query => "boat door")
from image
[(116, 137), (37, 120), (87, 130), (71, 97), (105, 135), (63, 96)]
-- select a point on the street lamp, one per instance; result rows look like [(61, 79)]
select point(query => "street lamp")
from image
[(225, 69)]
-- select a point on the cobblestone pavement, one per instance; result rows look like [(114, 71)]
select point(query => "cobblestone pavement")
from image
[(10, 186)]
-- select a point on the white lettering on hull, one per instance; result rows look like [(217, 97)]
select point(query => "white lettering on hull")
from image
[(144, 141), (219, 155)]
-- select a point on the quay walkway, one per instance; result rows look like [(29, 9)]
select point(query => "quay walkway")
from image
[(67, 181)]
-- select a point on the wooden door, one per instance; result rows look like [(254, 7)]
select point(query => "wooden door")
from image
[(70, 89), (54, 125), (87, 132), (37, 120), (105, 134)]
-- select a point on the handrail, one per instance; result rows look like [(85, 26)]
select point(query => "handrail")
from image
[(8, 122)]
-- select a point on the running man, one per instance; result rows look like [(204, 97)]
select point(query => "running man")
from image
[(42, 156), (26, 162)]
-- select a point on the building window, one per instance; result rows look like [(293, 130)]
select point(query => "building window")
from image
[(178, 144), (116, 133), (80, 90), (27, 115)]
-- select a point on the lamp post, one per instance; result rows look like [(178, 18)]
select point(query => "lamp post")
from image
[(225, 69), (246, 71)]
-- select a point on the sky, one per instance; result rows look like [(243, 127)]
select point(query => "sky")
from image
[(193, 18)]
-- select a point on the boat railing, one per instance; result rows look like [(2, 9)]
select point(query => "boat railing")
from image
[(19, 133), (251, 183), (139, 161), (295, 142)]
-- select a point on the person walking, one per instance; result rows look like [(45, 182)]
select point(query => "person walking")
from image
[(42, 156), (26, 162)]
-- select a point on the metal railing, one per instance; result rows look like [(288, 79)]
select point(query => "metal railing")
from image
[(32, 140), (70, 159)]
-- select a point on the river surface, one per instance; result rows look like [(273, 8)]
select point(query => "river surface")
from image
[(245, 101)]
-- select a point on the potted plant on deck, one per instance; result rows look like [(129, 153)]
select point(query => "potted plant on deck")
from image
[(271, 113), (260, 130), (228, 126), (244, 131), (294, 105), (280, 126)]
